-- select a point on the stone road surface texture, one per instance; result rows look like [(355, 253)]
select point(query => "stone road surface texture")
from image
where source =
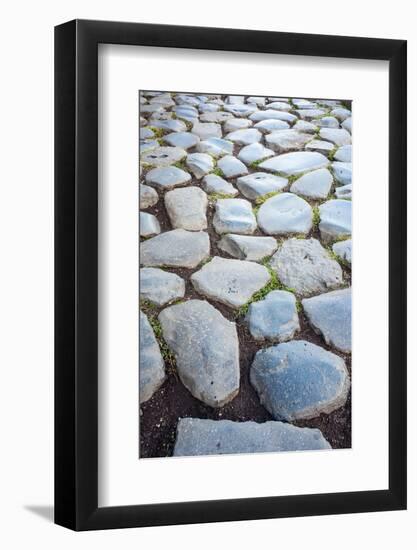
[(245, 273)]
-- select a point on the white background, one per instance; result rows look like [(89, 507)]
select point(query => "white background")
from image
[(26, 275), (125, 480)]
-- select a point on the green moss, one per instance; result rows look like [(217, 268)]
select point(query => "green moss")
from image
[(256, 163), (158, 132), (332, 153), (180, 164), (298, 306), (167, 355), (217, 172), (316, 216), (260, 200), (213, 197)]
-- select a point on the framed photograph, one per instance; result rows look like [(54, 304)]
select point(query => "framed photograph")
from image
[(230, 314)]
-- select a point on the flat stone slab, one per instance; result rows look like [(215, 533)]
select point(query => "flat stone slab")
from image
[(280, 106), (330, 315), (186, 208), (269, 114), (167, 177), (146, 145), (171, 125), (205, 130), (231, 282), (215, 147), (234, 216), (298, 380), (291, 164), (216, 184), (151, 364), (321, 146), (241, 110), (163, 156), (342, 172), (246, 247), (344, 192), (343, 249), (344, 153), (231, 166), (271, 125), (327, 122), (275, 318), (285, 141), (258, 184), (314, 185), (177, 248), (246, 136), (347, 125), (304, 104), (206, 349), (200, 164), (219, 116), (335, 219), (305, 126), (186, 140), (338, 136), (160, 287), (341, 113), (309, 114), (285, 213), (148, 225), (147, 196), (197, 436), (233, 124), (254, 153), (305, 266)]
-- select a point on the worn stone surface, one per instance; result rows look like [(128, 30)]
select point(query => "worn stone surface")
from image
[(246, 136), (314, 185), (206, 349), (246, 247), (231, 282), (326, 122), (151, 364), (305, 266), (160, 287), (338, 136), (205, 130), (234, 216), (269, 114), (231, 167), (167, 177), (200, 164), (271, 125), (147, 196), (215, 147), (196, 436), (342, 172), (177, 248), (186, 208), (344, 153), (258, 184), (216, 184), (344, 192), (285, 213), (148, 225), (335, 219), (291, 164), (285, 141), (330, 315), (347, 125), (309, 114), (321, 146), (163, 156), (186, 140), (343, 249), (305, 126), (233, 124), (171, 125), (253, 153), (297, 379)]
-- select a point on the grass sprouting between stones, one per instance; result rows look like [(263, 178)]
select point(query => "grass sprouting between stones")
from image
[(263, 198), (213, 197), (217, 172), (167, 355), (316, 216), (158, 132)]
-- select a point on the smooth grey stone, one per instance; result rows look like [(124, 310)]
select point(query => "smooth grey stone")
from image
[(331, 315), (208, 107), (245, 247), (271, 125), (206, 349), (285, 141), (186, 112), (147, 145), (338, 136), (231, 282), (305, 126), (341, 113), (305, 266), (298, 380), (146, 110), (335, 219), (216, 184), (173, 125), (321, 146), (290, 164), (163, 156), (235, 99), (283, 99), (344, 153), (200, 164), (245, 136), (309, 114), (326, 122), (184, 99), (314, 185), (177, 248), (257, 100), (344, 192), (231, 166), (186, 140), (259, 183), (163, 101), (219, 116), (343, 249), (216, 147), (347, 125), (241, 110), (272, 114), (146, 133), (279, 106), (148, 225), (147, 196), (275, 318), (329, 103), (205, 130), (151, 364), (160, 287), (197, 436), (157, 116), (233, 124), (254, 152), (186, 208), (304, 104), (234, 216), (342, 172), (285, 213), (167, 177)]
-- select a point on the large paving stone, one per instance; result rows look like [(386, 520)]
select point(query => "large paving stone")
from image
[(347, 125), (254, 153), (335, 219), (215, 147), (231, 282), (314, 185), (326, 122), (305, 126), (151, 364), (341, 113), (177, 248), (241, 110), (271, 125), (167, 177), (342, 172), (197, 436), (258, 184), (148, 225), (234, 216), (285, 141), (206, 349), (232, 167), (298, 380), (186, 140), (246, 247), (309, 114), (160, 287), (163, 156), (146, 145), (171, 125), (291, 164), (337, 136), (269, 114), (233, 124), (344, 153), (246, 136), (216, 184), (200, 164), (280, 106), (219, 116), (186, 208), (285, 213), (324, 147), (304, 104), (343, 249), (147, 196), (305, 266), (275, 318), (330, 314), (344, 192), (205, 130)]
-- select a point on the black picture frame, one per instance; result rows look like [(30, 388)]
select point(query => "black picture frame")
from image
[(76, 271)]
